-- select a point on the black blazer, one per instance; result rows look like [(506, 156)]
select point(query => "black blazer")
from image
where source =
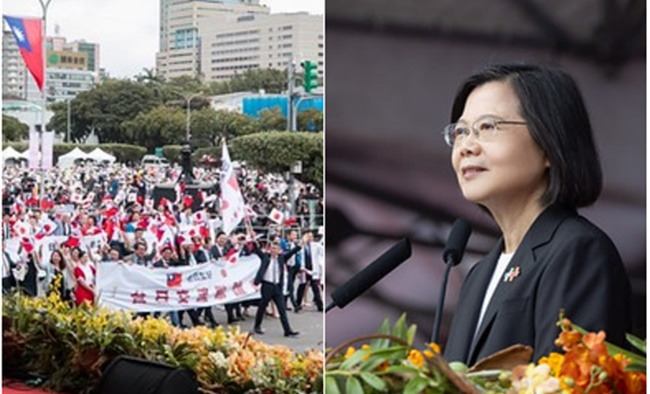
[(565, 262), (266, 260)]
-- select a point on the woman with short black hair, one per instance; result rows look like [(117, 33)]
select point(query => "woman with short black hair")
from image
[(522, 148)]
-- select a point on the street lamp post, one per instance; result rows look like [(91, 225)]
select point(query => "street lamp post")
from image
[(67, 138), (188, 101), (44, 5)]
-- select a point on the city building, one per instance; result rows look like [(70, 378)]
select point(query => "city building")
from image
[(241, 43), (72, 67), (13, 68), (179, 40)]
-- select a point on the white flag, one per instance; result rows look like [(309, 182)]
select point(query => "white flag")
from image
[(232, 203), (48, 146), (34, 151)]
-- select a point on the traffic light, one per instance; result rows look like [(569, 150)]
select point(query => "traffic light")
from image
[(310, 78)]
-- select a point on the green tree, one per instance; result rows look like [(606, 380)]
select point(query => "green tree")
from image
[(105, 108), (276, 151), (310, 120), (272, 119), (209, 125), (13, 129), (269, 79), (160, 126)]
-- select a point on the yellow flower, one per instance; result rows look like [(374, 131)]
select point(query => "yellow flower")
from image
[(349, 352), (554, 360), (416, 358)]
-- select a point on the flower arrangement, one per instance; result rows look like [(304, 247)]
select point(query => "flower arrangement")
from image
[(68, 346), (389, 363)]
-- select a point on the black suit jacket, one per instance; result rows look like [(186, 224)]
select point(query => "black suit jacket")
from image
[(565, 263), (266, 260)]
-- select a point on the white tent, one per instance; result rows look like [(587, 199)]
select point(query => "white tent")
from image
[(99, 155), (11, 154), (72, 157)]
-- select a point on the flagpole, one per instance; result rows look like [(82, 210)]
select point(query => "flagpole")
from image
[(44, 6)]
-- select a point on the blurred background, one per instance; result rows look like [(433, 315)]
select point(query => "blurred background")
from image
[(393, 68)]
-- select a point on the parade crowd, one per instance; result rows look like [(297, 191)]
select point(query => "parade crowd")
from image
[(92, 214)]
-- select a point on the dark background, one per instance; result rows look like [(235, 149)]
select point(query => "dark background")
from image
[(393, 68)]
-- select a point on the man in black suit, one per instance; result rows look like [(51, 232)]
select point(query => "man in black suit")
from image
[(8, 280), (309, 265), (220, 248), (271, 276)]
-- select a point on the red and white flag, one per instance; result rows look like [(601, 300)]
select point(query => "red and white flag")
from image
[(199, 217), (233, 207), (22, 229), (250, 212), (276, 216)]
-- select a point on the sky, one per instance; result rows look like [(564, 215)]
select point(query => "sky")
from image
[(127, 30)]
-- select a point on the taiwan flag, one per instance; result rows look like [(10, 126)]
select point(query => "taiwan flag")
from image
[(174, 280), (29, 38)]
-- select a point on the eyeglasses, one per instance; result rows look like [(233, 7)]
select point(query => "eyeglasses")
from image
[(484, 129)]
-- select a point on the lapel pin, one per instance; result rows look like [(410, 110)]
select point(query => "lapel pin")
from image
[(511, 274)]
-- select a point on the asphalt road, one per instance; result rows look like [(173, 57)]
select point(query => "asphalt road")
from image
[(309, 322)]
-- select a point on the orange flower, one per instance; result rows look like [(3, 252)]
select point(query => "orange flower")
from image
[(434, 346), (416, 358), (635, 382), (568, 339)]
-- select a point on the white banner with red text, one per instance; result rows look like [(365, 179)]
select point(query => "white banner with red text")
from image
[(143, 289)]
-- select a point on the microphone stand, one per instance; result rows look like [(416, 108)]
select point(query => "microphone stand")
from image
[(441, 300)]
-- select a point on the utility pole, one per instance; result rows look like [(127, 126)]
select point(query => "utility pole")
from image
[(290, 88)]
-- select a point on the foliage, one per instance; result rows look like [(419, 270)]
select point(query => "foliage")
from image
[(160, 126), (310, 120), (172, 152), (276, 151), (104, 108), (269, 79), (13, 129), (69, 346), (271, 119), (389, 363)]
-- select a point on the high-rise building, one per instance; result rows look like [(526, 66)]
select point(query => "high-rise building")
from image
[(77, 55), (180, 43), (13, 68), (72, 67), (240, 43)]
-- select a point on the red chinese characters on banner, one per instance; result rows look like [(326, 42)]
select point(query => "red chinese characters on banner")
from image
[(183, 296), (203, 295), (138, 297), (220, 292), (162, 296), (238, 288)]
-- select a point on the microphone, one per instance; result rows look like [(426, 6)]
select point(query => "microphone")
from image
[(370, 275), (456, 242), (452, 255)]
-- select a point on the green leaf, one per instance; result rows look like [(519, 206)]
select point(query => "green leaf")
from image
[(356, 358), (374, 381), (636, 367), (415, 385), (399, 330), (331, 386), (353, 386), (401, 369), (383, 329), (410, 334), (636, 342)]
